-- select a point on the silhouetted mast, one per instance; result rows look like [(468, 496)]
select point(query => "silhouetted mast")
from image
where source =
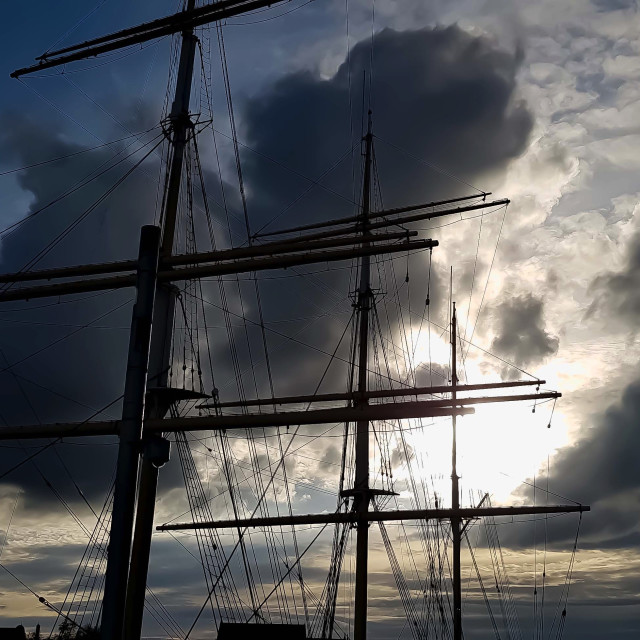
[(455, 491), (361, 490), (155, 449)]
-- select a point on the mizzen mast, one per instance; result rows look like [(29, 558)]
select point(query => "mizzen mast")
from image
[(455, 490)]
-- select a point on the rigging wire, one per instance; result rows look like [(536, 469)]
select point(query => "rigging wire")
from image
[(263, 603), (66, 336), (60, 110), (184, 513), (470, 345), (75, 223), (475, 324), (371, 59), (289, 570), (93, 545), (261, 498), (71, 29), (431, 165), (501, 578), (97, 104), (483, 589), (58, 439), (314, 183), (560, 617), (52, 391), (42, 600), (290, 338), (252, 445), (90, 177), (544, 561), (242, 24), (238, 165), (6, 531), (473, 280), (75, 153), (56, 303), (107, 57)]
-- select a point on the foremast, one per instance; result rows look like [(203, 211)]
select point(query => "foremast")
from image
[(361, 489)]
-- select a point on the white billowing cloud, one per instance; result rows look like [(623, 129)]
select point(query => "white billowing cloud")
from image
[(554, 89), (627, 67), (620, 152), (536, 181)]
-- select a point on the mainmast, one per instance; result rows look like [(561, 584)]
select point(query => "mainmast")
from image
[(155, 449), (127, 569), (361, 490)]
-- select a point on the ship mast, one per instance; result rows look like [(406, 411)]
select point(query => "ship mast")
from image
[(455, 492), (159, 400), (361, 490)]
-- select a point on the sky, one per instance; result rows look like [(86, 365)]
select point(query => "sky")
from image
[(534, 101)]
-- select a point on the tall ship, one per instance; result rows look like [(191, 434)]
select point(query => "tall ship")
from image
[(222, 397)]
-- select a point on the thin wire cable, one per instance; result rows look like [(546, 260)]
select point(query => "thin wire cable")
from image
[(433, 166), (484, 292), (58, 439), (6, 531), (71, 29), (75, 153), (90, 177), (65, 337)]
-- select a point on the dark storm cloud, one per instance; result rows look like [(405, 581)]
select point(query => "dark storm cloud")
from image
[(84, 371), (432, 374), (440, 94), (520, 331), (600, 470), (617, 294), (603, 464)]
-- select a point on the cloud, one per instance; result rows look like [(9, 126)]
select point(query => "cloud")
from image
[(600, 470), (444, 97), (520, 333), (442, 93), (439, 94), (616, 294), (601, 465)]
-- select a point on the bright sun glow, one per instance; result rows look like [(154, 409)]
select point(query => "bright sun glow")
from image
[(499, 447)]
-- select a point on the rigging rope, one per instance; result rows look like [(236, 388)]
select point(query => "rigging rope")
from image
[(6, 531), (560, 617), (87, 179)]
